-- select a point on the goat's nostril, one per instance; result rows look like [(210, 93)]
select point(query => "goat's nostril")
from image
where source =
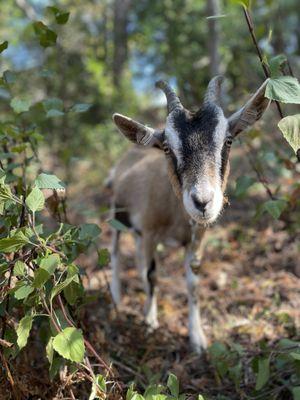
[(200, 205)]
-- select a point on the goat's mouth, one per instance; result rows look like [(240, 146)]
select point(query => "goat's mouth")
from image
[(205, 215), (203, 219)]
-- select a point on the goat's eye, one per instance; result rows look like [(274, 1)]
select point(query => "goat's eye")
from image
[(165, 147), (228, 141)]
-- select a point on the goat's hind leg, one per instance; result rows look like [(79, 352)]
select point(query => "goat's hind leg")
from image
[(115, 284), (145, 248)]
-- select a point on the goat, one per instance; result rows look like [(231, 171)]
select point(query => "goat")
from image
[(176, 195)]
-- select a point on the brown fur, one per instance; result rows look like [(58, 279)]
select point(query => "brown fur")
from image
[(142, 187)]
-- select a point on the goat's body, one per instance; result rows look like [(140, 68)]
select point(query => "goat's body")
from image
[(145, 201)]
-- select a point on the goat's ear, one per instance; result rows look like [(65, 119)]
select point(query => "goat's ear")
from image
[(137, 132), (250, 113)]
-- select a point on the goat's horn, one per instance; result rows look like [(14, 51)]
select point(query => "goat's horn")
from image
[(213, 91), (173, 101)]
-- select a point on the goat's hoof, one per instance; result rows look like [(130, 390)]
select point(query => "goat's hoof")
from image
[(199, 345), (152, 325)]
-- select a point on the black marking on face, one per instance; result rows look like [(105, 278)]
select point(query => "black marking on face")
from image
[(196, 135)]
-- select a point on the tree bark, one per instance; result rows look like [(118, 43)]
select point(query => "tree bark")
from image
[(213, 8), (120, 38)]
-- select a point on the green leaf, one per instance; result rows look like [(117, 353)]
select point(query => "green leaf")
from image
[(290, 128), (99, 384), (173, 385), (89, 231), (20, 105), (72, 292), (275, 207), (40, 278), (245, 3), (23, 292), (137, 396), (61, 17), (49, 351), (9, 77), (275, 64), (296, 356), (263, 373), (35, 201), (50, 263), (58, 288), (103, 257), (296, 392), (80, 107), (5, 193), (114, 223), (19, 268), (285, 89), (200, 397), (53, 103), (70, 344), (46, 36), (47, 181), (23, 330), (243, 183), (14, 243), (3, 46), (54, 113)]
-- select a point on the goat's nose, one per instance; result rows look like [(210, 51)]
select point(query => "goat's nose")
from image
[(200, 205)]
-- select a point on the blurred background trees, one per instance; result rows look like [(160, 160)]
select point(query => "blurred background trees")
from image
[(111, 52)]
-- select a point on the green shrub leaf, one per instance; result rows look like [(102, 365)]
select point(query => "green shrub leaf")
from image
[(70, 344), (48, 181), (3, 46), (19, 268), (243, 183), (173, 385), (290, 128), (80, 107), (114, 223), (23, 292), (275, 207), (23, 330), (296, 392), (285, 89), (14, 243), (35, 201), (263, 373), (20, 105), (46, 36), (103, 257), (50, 263), (40, 278)]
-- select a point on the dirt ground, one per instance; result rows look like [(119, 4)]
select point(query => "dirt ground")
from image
[(249, 292)]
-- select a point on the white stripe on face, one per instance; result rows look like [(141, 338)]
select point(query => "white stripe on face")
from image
[(173, 138)]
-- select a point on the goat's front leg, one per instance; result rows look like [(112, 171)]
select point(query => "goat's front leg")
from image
[(115, 284), (192, 265)]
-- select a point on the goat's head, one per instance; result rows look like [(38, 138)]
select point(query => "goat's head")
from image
[(197, 145)]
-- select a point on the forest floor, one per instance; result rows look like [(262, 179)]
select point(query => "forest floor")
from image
[(249, 292)]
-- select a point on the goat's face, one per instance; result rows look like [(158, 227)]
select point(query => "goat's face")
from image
[(197, 146), (195, 143)]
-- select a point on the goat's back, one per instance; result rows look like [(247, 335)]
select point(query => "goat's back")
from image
[(144, 195)]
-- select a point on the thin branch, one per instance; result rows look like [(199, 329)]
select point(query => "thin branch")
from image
[(258, 51)]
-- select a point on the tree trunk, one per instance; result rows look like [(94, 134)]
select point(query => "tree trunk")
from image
[(120, 36), (213, 36)]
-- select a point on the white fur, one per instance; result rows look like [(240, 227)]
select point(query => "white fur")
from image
[(196, 334), (173, 138)]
